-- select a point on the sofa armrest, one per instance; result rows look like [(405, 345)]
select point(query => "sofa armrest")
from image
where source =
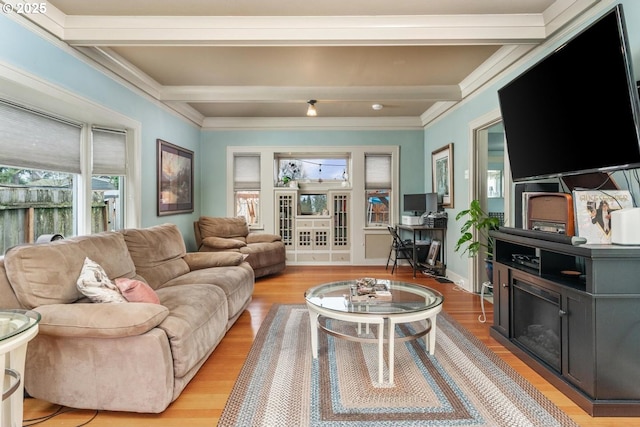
[(220, 243), (200, 260), (263, 238), (100, 320)]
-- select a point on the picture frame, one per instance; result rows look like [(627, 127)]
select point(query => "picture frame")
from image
[(442, 174), (592, 211), (434, 251), (175, 179)]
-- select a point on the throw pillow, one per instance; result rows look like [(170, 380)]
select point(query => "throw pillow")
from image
[(137, 291), (95, 284)]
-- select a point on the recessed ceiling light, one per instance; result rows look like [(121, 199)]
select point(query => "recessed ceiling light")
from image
[(377, 107)]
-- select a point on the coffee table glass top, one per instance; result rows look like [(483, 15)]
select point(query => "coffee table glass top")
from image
[(405, 298), (14, 322)]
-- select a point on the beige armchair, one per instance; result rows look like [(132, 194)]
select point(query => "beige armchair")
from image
[(265, 252)]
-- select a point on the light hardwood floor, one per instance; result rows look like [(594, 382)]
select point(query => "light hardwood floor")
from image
[(203, 400)]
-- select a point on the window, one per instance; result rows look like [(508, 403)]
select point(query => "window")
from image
[(41, 176), (313, 169), (107, 183), (246, 187), (378, 189), (494, 184)]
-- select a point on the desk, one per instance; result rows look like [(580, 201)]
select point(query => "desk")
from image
[(417, 231), (17, 328)]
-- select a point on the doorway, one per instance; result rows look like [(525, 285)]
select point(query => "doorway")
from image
[(489, 180)]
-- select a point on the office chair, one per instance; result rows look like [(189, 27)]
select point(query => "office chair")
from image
[(399, 249)]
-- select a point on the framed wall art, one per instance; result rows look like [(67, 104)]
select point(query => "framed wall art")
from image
[(442, 170), (175, 179)]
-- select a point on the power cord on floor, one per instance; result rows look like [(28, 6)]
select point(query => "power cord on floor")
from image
[(61, 410), (456, 287)]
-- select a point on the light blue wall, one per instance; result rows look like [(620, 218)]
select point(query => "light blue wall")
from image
[(25, 50), (454, 127), (215, 143)]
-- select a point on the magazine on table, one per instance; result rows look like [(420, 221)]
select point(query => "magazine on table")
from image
[(593, 212)]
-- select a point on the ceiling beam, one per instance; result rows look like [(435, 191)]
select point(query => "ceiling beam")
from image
[(306, 30), (302, 94)]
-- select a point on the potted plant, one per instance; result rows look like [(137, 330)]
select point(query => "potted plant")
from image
[(480, 221), (289, 172)]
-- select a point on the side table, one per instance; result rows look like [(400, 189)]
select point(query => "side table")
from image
[(17, 328)]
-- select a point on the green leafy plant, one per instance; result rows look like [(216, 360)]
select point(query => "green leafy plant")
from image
[(476, 219)]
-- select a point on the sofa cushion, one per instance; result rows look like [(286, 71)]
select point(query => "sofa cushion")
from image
[(94, 283), (46, 273), (157, 252), (237, 282), (223, 244), (136, 291), (200, 260), (196, 323), (90, 320), (234, 228), (261, 255), (263, 238)]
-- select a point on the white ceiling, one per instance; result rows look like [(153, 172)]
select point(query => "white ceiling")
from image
[(220, 62)]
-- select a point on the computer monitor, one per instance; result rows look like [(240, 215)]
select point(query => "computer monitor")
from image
[(421, 203), (416, 203)]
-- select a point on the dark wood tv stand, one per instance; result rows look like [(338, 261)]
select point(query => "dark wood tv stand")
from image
[(591, 297)]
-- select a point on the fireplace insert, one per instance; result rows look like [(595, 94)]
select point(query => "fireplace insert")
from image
[(536, 321)]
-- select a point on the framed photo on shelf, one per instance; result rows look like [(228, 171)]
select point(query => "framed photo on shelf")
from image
[(434, 251), (593, 212), (175, 179), (442, 170)]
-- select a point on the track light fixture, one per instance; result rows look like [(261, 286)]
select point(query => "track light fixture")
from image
[(311, 111)]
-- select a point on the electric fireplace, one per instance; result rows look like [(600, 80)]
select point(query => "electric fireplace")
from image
[(536, 321)]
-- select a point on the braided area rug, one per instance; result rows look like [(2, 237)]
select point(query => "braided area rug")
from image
[(462, 384)]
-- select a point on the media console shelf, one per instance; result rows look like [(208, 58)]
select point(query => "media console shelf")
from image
[(572, 313)]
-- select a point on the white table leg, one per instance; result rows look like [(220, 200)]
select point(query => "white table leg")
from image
[(313, 320), (431, 336), (13, 352), (391, 337), (380, 351), (16, 362)]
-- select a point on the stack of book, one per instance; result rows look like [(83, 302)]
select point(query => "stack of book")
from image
[(369, 289)]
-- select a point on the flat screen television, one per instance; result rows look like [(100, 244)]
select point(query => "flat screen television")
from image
[(576, 110)]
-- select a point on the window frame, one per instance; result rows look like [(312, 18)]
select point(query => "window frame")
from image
[(25, 89)]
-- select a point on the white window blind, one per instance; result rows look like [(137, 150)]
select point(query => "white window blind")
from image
[(246, 172), (33, 140), (377, 169), (109, 152)]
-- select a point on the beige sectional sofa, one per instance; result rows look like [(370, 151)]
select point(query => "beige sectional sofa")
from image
[(131, 356), (265, 252)]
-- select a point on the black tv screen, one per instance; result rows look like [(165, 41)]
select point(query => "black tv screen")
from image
[(421, 203), (576, 110)]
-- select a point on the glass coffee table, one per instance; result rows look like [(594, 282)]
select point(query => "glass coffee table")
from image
[(407, 302)]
